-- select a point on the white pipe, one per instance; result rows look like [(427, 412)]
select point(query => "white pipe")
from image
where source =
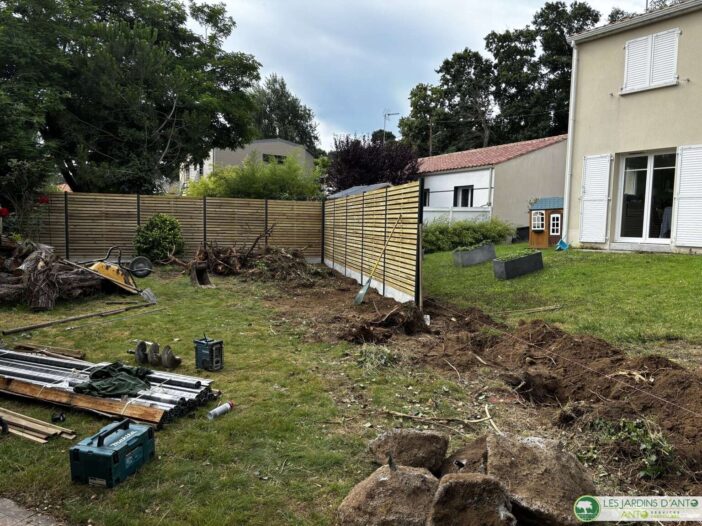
[(569, 149)]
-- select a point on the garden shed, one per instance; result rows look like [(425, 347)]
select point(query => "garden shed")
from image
[(545, 222)]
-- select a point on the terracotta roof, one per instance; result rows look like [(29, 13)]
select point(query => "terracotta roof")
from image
[(489, 156), (63, 187)]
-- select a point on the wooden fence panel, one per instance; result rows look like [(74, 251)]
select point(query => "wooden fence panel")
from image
[(97, 221), (356, 229)]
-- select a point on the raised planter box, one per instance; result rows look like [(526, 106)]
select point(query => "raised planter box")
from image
[(475, 256), (517, 267)]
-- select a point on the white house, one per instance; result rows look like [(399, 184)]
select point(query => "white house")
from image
[(497, 181)]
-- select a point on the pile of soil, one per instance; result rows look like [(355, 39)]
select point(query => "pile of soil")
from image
[(406, 319), (551, 366)]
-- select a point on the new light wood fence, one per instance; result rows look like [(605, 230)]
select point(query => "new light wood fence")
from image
[(83, 226), (356, 229)]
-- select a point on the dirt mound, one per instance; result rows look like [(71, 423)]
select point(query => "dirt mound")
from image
[(278, 264), (471, 498), (391, 495), (551, 366), (411, 447), (404, 319)]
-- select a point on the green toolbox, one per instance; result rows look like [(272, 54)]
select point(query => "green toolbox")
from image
[(110, 456)]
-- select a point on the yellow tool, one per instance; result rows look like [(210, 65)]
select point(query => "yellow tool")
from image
[(117, 274)]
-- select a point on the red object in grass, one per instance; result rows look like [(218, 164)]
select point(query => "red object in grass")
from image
[(4, 212), (43, 199)]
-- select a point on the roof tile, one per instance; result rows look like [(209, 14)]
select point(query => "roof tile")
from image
[(489, 156)]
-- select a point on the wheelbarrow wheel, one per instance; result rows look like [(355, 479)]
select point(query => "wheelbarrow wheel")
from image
[(140, 267)]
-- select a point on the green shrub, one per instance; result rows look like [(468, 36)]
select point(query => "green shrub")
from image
[(440, 236), (255, 179), (158, 237)]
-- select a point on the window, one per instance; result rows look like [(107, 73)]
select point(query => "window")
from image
[(425, 197), (555, 225), (270, 158), (651, 61), (463, 196), (538, 220)]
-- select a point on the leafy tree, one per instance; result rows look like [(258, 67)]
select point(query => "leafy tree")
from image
[(255, 179), (617, 14), (518, 85), (421, 127), (553, 23), (360, 161), (281, 114), (382, 135), (132, 92)]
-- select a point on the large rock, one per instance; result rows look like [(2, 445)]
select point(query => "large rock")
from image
[(542, 478), (471, 458), (401, 496), (411, 447), (467, 499)]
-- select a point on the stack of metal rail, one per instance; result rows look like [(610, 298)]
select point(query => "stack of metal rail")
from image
[(171, 395)]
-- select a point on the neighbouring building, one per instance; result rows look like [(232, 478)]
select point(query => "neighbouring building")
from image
[(497, 181), (634, 169), (266, 150), (545, 222)]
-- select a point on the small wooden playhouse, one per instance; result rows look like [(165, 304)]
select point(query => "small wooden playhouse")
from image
[(545, 222)]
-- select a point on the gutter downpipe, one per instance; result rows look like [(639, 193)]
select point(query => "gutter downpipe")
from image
[(569, 153)]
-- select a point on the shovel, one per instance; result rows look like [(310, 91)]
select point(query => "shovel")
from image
[(364, 290)]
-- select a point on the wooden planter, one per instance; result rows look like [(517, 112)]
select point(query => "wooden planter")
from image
[(517, 267), (475, 256)]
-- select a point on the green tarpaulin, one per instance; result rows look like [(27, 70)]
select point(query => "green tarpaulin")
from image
[(115, 380)]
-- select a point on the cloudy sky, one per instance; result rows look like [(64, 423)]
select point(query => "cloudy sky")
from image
[(351, 60)]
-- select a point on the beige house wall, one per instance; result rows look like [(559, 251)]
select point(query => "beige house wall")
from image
[(261, 147), (519, 180), (609, 123)]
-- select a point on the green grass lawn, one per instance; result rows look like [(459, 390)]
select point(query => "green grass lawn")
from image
[(631, 298), (288, 453)]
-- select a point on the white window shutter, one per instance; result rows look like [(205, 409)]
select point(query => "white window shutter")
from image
[(637, 69), (664, 57), (594, 203), (688, 205)]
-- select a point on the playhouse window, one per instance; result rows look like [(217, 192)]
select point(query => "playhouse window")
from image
[(538, 220), (555, 225)]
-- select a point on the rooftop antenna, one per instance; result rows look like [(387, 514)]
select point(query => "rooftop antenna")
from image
[(386, 115)]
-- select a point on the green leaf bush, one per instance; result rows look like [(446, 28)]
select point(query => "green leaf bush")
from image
[(158, 237), (440, 236)]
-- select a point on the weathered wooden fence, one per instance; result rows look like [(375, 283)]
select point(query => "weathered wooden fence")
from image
[(356, 229), (85, 225)]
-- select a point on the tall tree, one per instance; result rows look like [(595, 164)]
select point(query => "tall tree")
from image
[(281, 114), (553, 23), (466, 81), (137, 92), (382, 136), (419, 129), (360, 161), (518, 85)]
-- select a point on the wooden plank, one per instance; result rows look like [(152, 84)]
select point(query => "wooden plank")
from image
[(150, 415)]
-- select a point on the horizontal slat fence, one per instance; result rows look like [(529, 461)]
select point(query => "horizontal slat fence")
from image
[(356, 229), (83, 226)]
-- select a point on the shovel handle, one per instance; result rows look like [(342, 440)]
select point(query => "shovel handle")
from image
[(387, 242)]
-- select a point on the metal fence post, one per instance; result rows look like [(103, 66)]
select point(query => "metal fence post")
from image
[(346, 235), (66, 235), (204, 219), (324, 218), (385, 236), (265, 222), (418, 267), (363, 223), (138, 209)]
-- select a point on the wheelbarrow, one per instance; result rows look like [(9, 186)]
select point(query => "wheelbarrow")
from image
[(120, 274)]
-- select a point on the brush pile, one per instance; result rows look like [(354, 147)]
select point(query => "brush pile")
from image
[(256, 261), (32, 274)]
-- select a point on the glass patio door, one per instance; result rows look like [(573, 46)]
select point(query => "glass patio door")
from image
[(646, 198)]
